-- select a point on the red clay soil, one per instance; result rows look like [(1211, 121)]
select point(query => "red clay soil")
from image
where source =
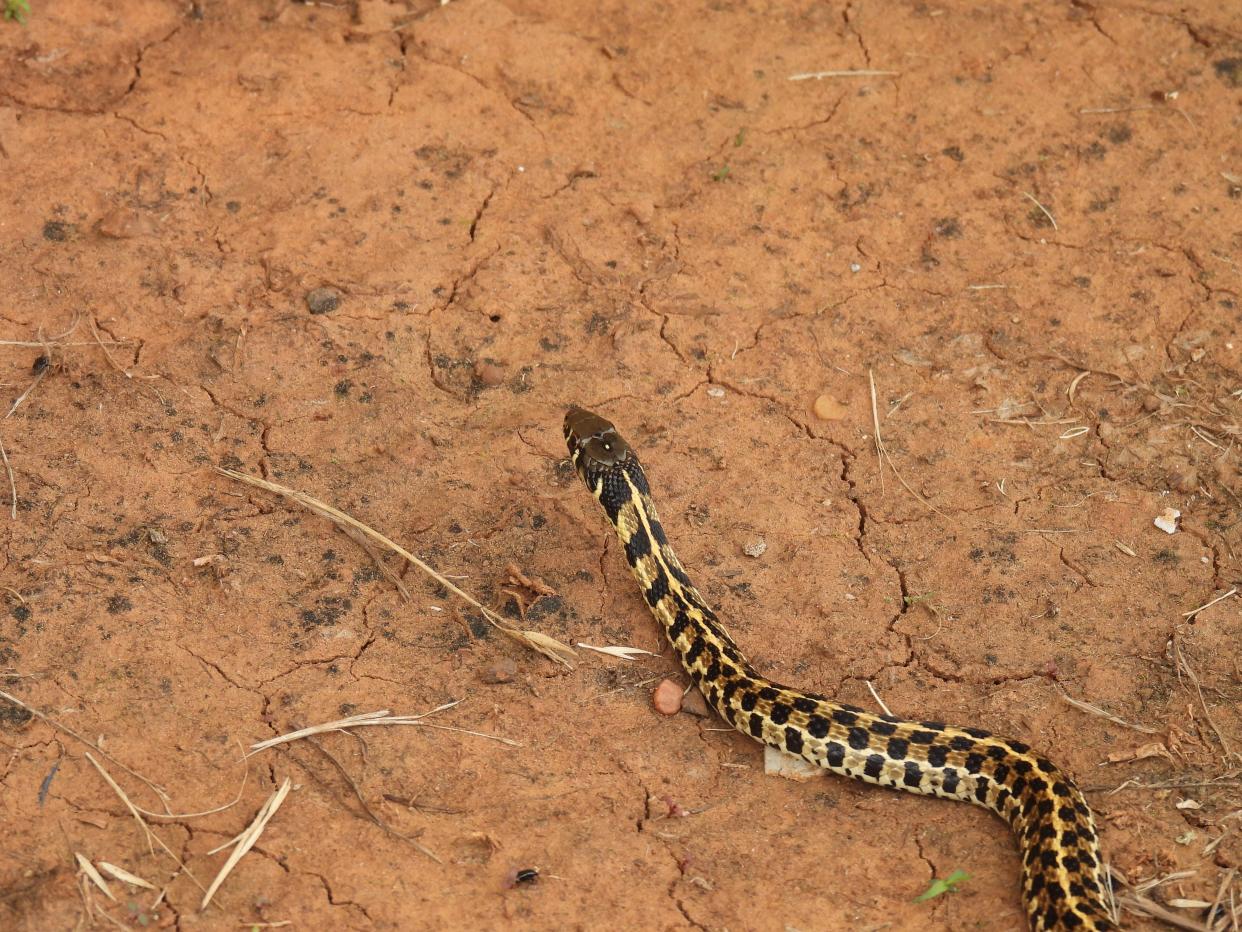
[(372, 251)]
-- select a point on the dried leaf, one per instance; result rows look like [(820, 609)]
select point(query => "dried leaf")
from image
[(89, 870), (1155, 749)]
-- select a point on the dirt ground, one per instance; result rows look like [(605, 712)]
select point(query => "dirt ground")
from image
[(1023, 221)]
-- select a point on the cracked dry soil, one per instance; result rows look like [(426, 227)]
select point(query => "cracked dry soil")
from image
[(1029, 233)]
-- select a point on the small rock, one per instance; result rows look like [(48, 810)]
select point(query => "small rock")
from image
[(693, 703), (1151, 403), (755, 548), (489, 373), (1167, 520), (667, 698), (323, 300), (716, 392), (827, 408), (502, 671)]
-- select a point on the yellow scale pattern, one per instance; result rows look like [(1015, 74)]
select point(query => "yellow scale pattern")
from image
[(1063, 874)]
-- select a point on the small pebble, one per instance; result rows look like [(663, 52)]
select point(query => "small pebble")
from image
[(323, 300), (716, 392), (489, 374), (1167, 520), (755, 548), (827, 408), (693, 703), (667, 698), (502, 671), (855, 267)]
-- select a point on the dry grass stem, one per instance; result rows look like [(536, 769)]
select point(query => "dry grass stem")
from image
[(1141, 905), (8, 468), (1219, 598), (1047, 213), (366, 807), (884, 456), (198, 815), (1182, 665), (849, 73), (878, 701), (392, 577), (93, 875), (247, 839), (1096, 710), (115, 365), (382, 717), (26, 394), (90, 744), (541, 643), (133, 810)]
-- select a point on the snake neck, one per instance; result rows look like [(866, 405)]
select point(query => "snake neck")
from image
[(1063, 879)]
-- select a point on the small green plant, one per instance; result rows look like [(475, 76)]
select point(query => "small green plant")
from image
[(721, 173), (916, 599), (739, 138), (940, 886), (16, 10)]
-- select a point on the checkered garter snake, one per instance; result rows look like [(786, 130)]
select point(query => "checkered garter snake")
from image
[(1062, 871)]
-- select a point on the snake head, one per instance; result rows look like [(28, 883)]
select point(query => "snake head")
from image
[(594, 444)]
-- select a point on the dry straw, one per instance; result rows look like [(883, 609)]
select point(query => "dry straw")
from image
[(550, 647)]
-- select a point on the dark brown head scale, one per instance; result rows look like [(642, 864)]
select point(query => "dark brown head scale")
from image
[(594, 444)]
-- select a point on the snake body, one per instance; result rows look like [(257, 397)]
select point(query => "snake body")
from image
[(1062, 871)]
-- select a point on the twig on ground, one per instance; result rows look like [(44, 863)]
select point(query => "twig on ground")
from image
[(1096, 710), (548, 646), (1220, 598), (382, 717)]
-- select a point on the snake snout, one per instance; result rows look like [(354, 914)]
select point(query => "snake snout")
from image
[(582, 424)]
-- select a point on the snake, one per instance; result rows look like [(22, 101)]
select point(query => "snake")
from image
[(1063, 873)]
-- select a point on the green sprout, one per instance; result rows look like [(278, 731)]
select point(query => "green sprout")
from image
[(16, 10), (941, 886), (721, 173), (739, 138)]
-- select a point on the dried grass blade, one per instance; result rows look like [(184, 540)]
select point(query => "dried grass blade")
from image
[(1096, 710), (248, 839), (89, 870), (561, 653), (125, 876), (133, 810)]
